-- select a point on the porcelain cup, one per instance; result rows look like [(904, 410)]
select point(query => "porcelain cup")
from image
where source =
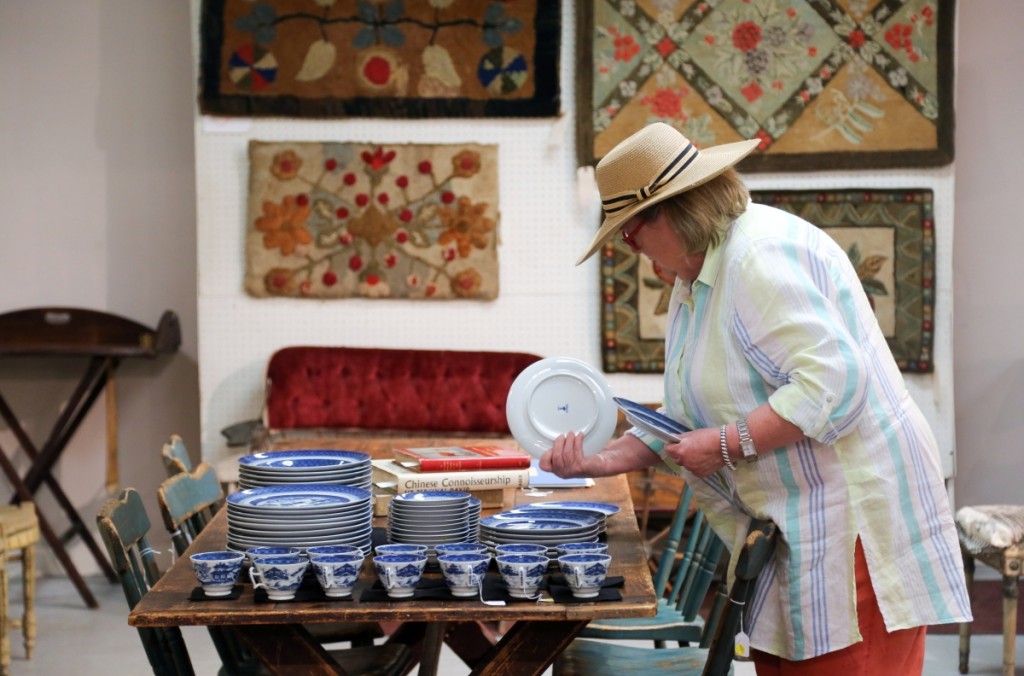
[(319, 550), (581, 548), (522, 573), (585, 573), (257, 552), (400, 548), (464, 573), (520, 548), (399, 573), (217, 572), (280, 576), (337, 573), (461, 548)]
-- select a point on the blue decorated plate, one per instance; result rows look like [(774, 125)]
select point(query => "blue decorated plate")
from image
[(605, 508), (652, 422), (298, 496), (431, 497), (312, 459)]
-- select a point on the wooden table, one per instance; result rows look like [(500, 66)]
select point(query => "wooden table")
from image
[(540, 631)]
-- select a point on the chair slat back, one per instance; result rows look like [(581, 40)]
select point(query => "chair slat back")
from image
[(175, 456), (672, 542), (693, 583), (757, 550), (188, 502), (123, 526)]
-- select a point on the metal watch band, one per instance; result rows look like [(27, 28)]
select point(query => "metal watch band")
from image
[(746, 443)]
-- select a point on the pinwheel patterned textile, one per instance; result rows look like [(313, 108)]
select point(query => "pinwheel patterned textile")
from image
[(380, 58), (337, 220), (889, 236), (824, 84)]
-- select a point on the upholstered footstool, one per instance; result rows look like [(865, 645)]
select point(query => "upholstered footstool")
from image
[(994, 535)]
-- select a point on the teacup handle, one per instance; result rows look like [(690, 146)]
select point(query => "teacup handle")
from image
[(386, 578), (253, 574)]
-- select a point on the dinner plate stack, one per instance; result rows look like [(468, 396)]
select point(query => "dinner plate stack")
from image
[(342, 468), (431, 518), (300, 515), (475, 507), (540, 526)]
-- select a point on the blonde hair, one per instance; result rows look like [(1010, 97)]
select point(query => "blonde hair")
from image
[(699, 216)]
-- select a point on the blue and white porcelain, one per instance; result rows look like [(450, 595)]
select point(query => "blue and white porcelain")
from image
[(650, 421), (605, 508), (520, 548), (328, 550), (401, 548), (585, 573), (461, 548), (581, 548), (217, 571), (400, 573), (337, 573), (280, 576), (464, 573), (436, 498), (304, 459), (522, 573), (298, 496), (259, 552)]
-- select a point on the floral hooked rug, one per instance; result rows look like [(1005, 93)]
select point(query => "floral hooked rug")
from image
[(337, 220)]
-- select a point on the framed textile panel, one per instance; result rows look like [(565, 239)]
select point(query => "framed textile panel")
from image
[(824, 84), (338, 220), (379, 58), (889, 236)]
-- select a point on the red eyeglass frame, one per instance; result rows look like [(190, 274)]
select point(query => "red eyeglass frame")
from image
[(630, 237)]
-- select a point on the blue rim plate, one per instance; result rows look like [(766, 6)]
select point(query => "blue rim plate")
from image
[(605, 508), (298, 496), (579, 517), (520, 522), (432, 497), (652, 422), (306, 459)]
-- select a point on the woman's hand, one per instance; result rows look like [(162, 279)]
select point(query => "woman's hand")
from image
[(566, 457), (699, 451)]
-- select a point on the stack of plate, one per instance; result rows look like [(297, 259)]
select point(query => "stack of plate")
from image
[(600, 509), (545, 527), (473, 520), (343, 468), (431, 518), (652, 422), (300, 515)]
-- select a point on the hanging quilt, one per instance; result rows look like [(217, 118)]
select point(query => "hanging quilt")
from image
[(390, 58), (823, 84), (889, 236), (337, 220)]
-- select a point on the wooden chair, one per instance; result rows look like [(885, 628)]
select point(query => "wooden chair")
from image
[(187, 503), (597, 658), (19, 533), (175, 456), (689, 564), (994, 535)]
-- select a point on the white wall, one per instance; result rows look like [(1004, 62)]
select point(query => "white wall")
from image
[(98, 193)]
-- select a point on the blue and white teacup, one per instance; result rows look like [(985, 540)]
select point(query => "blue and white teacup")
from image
[(464, 573), (461, 548), (522, 573), (217, 572), (318, 550), (401, 548), (399, 573), (337, 573), (258, 552), (520, 548), (280, 576), (585, 573), (581, 548)]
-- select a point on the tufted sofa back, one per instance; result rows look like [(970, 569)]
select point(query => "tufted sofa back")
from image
[(376, 388)]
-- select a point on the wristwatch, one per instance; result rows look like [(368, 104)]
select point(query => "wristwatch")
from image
[(746, 443)]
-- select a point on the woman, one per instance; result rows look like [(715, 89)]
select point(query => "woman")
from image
[(799, 414)]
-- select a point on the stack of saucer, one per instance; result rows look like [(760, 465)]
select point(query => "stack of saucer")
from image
[(431, 518), (343, 468), (544, 527), (300, 515)]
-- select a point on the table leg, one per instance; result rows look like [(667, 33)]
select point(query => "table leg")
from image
[(288, 650), (431, 653), (528, 648)]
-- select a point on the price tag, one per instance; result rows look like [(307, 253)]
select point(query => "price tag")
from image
[(742, 647)]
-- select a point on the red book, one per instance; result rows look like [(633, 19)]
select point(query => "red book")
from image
[(459, 458)]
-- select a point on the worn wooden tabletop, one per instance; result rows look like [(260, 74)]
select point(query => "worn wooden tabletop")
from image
[(539, 632)]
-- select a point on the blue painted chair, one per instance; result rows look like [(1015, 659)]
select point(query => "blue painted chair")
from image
[(175, 456), (682, 578), (601, 658)]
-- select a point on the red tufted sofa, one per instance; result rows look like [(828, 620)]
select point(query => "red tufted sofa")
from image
[(390, 390)]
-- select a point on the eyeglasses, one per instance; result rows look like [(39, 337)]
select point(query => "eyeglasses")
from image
[(629, 237)]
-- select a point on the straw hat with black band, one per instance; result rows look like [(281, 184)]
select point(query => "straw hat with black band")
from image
[(653, 164)]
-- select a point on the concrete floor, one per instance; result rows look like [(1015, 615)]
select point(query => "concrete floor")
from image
[(75, 640)]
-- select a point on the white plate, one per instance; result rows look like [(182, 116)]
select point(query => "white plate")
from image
[(558, 395)]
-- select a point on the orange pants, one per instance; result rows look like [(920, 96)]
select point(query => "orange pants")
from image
[(880, 653)]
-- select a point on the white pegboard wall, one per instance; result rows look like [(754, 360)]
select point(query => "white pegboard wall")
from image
[(545, 305)]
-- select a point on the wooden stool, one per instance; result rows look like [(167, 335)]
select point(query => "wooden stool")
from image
[(19, 533), (994, 535)]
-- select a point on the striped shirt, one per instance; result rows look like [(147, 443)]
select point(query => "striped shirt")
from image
[(777, 314)]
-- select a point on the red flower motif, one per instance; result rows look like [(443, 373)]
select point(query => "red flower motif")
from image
[(857, 38), (402, 236), (341, 213), (378, 159), (402, 181), (331, 164), (425, 167), (746, 36), (764, 138), (355, 264), (666, 102), (391, 260), (330, 278), (405, 215), (665, 47), (362, 199), (383, 198), (625, 46), (752, 91), (349, 178), (447, 197), (710, 39)]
